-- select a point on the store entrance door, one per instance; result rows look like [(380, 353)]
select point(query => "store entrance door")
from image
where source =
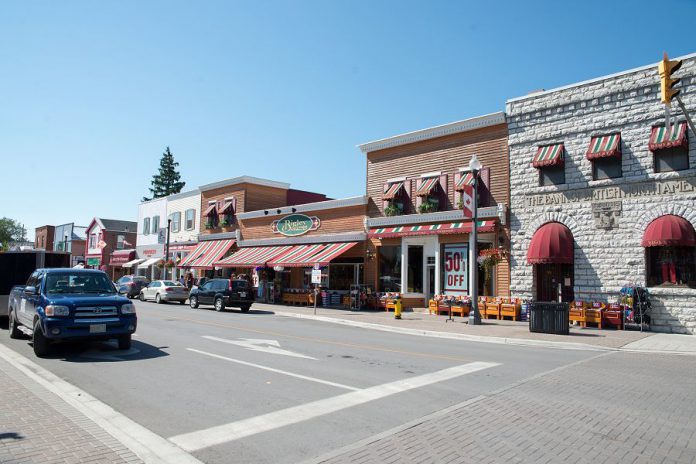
[(549, 276), (431, 282)]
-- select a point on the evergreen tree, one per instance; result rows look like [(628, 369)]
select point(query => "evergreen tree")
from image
[(167, 180)]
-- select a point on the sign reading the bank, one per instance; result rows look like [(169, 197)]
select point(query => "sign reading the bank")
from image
[(456, 269), (295, 224)]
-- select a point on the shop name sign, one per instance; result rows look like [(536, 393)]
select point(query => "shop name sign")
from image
[(295, 224), (637, 190)]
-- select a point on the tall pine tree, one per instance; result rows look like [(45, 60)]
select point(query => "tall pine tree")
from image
[(167, 180)]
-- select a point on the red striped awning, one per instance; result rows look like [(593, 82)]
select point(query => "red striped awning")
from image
[(669, 230), (549, 155), (253, 256), (393, 190), (207, 253), (309, 255), (427, 186), (210, 210), (430, 229), (464, 180), (659, 138), (330, 252), (604, 146), (227, 207)]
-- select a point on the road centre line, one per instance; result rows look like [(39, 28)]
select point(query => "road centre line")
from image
[(277, 371), (217, 435), (321, 340)]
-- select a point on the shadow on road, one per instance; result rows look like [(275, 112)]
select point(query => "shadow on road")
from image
[(104, 351), (11, 436)]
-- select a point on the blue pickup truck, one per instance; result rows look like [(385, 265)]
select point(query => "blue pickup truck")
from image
[(70, 304)]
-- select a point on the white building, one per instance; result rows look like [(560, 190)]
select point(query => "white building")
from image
[(183, 209), (152, 217)]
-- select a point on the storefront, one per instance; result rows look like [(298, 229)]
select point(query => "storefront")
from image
[(419, 238), (603, 196), (152, 261), (118, 259), (201, 260), (279, 249)]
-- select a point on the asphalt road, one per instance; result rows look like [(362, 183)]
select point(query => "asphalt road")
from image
[(255, 387)]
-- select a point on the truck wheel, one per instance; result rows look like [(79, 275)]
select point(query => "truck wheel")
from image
[(219, 304), (14, 327), (124, 342), (245, 309), (158, 299), (193, 302), (41, 343), (141, 297)]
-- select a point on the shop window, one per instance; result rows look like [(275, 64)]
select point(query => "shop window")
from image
[(155, 224), (671, 159), (341, 276), (176, 221), (671, 266), (190, 219), (552, 175), (146, 227), (606, 168), (415, 269), (390, 268)]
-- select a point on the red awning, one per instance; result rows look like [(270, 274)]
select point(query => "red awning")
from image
[(393, 191), (604, 146), (207, 253), (210, 210), (120, 257), (464, 180), (659, 138), (309, 255), (552, 243), (669, 230), (227, 207), (549, 155), (330, 252), (253, 256), (430, 229), (427, 186)]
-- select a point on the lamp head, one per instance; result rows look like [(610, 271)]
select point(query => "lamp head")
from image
[(475, 164)]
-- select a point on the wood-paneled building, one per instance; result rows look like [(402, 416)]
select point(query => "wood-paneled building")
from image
[(417, 232)]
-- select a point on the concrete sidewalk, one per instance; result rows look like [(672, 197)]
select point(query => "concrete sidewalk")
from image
[(492, 331), (36, 426)]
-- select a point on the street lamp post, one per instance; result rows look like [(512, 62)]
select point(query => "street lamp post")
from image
[(474, 315)]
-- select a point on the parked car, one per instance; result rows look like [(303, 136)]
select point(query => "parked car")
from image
[(131, 285), (66, 304), (223, 293), (163, 291)]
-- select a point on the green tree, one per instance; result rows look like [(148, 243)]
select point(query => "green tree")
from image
[(167, 180), (11, 231)]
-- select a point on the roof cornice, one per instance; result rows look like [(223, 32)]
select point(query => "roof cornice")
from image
[(434, 132), (245, 180), (180, 195), (318, 206)]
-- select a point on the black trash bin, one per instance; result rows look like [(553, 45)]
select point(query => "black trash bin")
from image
[(549, 317)]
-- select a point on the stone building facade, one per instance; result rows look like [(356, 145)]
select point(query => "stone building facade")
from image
[(607, 202)]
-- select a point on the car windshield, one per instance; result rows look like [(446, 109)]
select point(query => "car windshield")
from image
[(75, 282), (169, 283)]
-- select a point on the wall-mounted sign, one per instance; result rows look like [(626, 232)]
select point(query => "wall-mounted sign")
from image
[(456, 269), (295, 224)]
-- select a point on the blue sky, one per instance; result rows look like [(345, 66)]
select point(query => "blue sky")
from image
[(92, 92)]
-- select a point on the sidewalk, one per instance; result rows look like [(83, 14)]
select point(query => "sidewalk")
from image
[(492, 331), (36, 426)]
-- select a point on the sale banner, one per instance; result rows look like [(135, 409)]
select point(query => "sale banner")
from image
[(456, 274)]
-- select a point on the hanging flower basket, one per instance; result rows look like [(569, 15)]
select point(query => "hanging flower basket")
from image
[(490, 257), (169, 264)]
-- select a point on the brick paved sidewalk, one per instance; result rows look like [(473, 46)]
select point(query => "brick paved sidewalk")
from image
[(36, 426), (616, 408), (607, 338)]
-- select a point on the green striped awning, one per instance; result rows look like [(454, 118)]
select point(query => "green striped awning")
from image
[(431, 229), (427, 186), (604, 146), (660, 139), (464, 180), (549, 155)]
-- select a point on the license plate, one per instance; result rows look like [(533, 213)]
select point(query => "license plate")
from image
[(97, 328), (242, 294)]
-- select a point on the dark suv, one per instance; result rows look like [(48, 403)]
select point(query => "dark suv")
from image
[(222, 293), (131, 285)]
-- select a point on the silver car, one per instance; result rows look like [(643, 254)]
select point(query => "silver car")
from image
[(163, 291)]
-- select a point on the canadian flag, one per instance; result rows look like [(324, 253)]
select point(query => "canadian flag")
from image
[(101, 244), (468, 201), (127, 243)]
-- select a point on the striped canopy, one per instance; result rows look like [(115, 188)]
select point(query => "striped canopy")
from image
[(427, 186), (464, 180), (309, 255), (604, 146), (430, 229), (660, 139), (252, 256), (212, 208), (549, 155), (393, 190), (207, 253)]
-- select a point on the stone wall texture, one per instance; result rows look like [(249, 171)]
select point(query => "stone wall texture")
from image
[(605, 259)]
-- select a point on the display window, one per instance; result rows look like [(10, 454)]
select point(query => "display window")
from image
[(389, 268), (671, 265)]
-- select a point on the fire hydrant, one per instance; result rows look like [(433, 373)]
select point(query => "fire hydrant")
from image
[(397, 308)]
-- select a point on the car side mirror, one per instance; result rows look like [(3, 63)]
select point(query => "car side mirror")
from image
[(30, 290)]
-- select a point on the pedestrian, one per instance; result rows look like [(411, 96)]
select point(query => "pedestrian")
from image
[(189, 280)]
